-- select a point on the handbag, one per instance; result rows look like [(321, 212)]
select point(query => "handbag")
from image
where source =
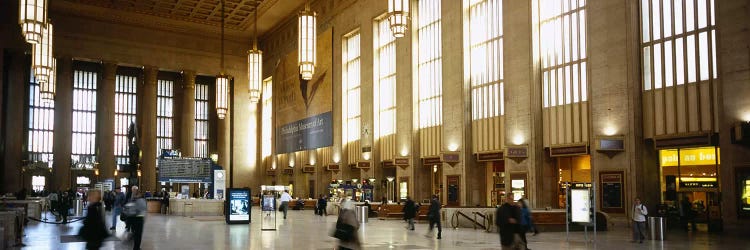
[(344, 232)]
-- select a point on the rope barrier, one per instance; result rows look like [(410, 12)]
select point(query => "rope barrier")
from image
[(57, 223)]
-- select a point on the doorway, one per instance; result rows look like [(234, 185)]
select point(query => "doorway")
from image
[(453, 190), (576, 168)]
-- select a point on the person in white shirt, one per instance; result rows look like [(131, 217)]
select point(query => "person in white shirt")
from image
[(285, 199), (639, 221)]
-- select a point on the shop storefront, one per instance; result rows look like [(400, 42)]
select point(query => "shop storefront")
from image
[(571, 169), (691, 174)]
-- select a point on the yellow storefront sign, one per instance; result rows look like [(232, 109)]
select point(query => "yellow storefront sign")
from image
[(690, 157)]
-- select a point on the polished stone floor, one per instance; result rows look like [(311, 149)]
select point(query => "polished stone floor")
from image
[(303, 230)]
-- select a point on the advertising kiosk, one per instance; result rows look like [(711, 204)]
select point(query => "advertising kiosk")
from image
[(238, 206)]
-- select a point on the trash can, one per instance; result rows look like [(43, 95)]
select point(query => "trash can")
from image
[(362, 214), (77, 208), (657, 226)]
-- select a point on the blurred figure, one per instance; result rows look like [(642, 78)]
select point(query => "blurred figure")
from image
[(434, 216), (410, 211), (687, 215), (21, 194), (507, 218), (321, 206), (94, 230), (119, 201), (285, 199), (165, 202), (135, 210), (347, 226), (525, 221), (64, 206)]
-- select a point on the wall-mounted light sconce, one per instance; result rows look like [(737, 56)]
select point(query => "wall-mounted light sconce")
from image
[(115, 174), (372, 180), (366, 156), (518, 139), (609, 130), (355, 180), (390, 178), (139, 173), (453, 147), (404, 152), (215, 157)]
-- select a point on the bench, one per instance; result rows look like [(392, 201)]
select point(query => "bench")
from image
[(391, 211), (423, 210)]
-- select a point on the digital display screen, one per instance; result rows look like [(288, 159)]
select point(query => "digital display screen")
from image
[(239, 205), (580, 206), (269, 203)]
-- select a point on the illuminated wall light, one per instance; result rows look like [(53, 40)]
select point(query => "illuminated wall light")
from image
[(390, 178), (434, 169), (453, 147), (609, 130), (32, 16), (336, 157), (518, 139), (746, 116), (366, 156), (404, 152), (306, 42)]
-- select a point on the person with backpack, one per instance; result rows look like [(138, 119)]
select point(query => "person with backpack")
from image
[(639, 221), (135, 210)]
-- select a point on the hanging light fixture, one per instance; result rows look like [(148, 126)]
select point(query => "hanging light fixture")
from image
[(306, 42), (47, 89), (255, 65), (222, 80), (42, 60), (31, 16), (398, 16)]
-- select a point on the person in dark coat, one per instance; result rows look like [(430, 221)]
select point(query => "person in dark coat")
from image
[(321, 206), (64, 206), (94, 231), (410, 211), (434, 216), (507, 219)]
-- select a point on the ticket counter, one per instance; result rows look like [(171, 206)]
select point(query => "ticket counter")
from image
[(196, 207)]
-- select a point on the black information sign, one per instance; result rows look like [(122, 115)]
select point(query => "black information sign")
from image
[(611, 195)]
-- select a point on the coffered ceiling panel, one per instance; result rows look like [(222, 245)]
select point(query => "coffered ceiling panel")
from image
[(238, 13)]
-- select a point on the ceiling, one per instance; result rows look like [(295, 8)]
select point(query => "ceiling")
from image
[(186, 15)]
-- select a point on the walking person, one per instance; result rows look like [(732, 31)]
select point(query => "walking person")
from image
[(321, 206), (94, 230), (410, 211), (525, 221), (507, 219), (687, 215), (639, 221), (434, 216), (119, 201), (347, 226), (135, 210), (165, 202), (285, 199)]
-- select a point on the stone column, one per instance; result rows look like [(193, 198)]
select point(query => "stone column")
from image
[(106, 121), (733, 40), (18, 80), (187, 135), (614, 95), (523, 113), (63, 136), (455, 115), (148, 129)]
